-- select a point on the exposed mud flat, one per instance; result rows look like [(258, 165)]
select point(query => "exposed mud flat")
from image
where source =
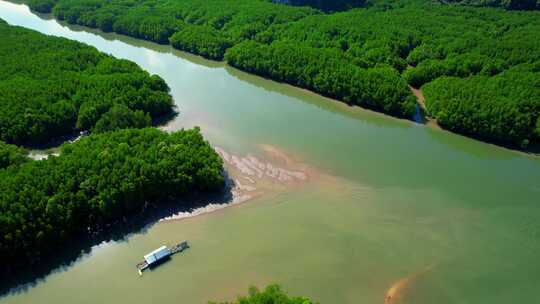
[(253, 169), (250, 176), (253, 177)]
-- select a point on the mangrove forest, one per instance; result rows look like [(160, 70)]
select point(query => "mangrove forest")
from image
[(271, 294), (367, 55), (52, 86)]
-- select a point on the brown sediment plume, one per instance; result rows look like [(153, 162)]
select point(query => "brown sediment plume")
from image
[(254, 170), (395, 293), (253, 177), (279, 154)]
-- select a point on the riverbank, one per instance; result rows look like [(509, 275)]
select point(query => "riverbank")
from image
[(532, 150), (93, 183), (85, 90), (254, 53), (254, 177)]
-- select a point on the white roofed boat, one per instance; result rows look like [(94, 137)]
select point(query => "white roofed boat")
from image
[(157, 255), (160, 254)]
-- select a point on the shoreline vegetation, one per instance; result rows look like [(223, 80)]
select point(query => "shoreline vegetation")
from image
[(53, 87), (272, 294), (103, 185), (477, 66), (94, 183)]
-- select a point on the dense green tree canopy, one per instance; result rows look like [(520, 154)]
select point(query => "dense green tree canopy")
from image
[(328, 72), (11, 155), (325, 5), (363, 56), (201, 39), (50, 86), (45, 204), (121, 117), (502, 108), (272, 294), (507, 4)]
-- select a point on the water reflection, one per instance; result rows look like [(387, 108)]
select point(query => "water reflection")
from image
[(119, 231), (322, 102), (149, 49), (148, 45), (297, 94)]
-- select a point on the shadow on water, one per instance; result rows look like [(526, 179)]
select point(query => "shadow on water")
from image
[(322, 102), (159, 263), (57, 141), (121, 230), (164, 119), (470, 144), (419, 115), (74, 135), (137, 42), (481, 148)]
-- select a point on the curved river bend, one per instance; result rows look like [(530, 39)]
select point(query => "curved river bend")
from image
[(398, 212)]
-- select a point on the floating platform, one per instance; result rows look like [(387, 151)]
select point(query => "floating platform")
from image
[(159, 255)]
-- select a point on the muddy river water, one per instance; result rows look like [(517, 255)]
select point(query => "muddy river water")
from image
[(339, 204)]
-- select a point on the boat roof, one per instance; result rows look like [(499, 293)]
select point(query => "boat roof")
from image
[(159, 250)]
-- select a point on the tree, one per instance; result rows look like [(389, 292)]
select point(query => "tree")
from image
[(46, 204), (40, 100), (121, 117), (11, 155), (272, 294), (364, 56)]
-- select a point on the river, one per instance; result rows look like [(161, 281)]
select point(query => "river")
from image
[(389, 207)]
